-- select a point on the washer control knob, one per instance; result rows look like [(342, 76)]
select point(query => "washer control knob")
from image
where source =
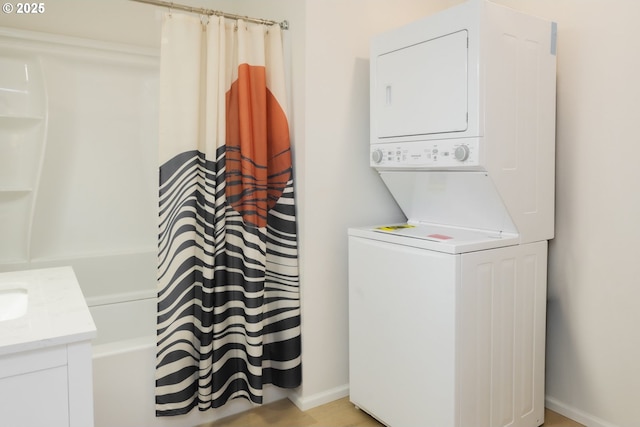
[(461, 153), (377, 156)]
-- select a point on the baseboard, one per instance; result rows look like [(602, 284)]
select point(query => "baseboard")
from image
[(305, 403), (575, 414)]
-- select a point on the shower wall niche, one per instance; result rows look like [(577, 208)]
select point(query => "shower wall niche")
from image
[(78, 160), (22, 143)]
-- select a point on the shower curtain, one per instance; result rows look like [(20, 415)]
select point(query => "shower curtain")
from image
[(228, 297)]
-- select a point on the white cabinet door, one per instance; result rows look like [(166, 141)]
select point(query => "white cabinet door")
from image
[(34, 388), (502, 312), (35, 399), (422, 89)]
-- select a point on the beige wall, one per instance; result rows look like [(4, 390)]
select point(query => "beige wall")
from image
[(119, 21), (592, 341), (594, 288)]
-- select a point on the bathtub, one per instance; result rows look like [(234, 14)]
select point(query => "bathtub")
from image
[(123, 360), (124, 363)]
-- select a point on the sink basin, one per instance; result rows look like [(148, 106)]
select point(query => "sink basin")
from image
[(13, 303)]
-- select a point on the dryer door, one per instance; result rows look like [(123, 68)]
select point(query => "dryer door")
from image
[(422, 89)]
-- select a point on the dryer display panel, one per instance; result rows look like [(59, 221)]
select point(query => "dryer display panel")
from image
[(422, 89)]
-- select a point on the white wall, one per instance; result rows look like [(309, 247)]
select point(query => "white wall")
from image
[(592, 343)]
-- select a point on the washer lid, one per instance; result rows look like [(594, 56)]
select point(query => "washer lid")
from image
[(437, 237)]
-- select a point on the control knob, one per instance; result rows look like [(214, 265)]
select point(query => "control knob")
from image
[(377, 156), (461, 153)]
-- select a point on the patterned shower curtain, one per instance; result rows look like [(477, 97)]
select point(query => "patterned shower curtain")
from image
[(228, 297)]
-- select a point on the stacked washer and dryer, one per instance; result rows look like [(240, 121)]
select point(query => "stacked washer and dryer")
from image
[(447, 311)]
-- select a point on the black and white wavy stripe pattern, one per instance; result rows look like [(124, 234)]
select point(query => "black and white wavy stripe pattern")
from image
[(228, 299)]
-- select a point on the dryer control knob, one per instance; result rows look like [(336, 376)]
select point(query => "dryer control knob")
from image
[(377, 156), (461, 153)]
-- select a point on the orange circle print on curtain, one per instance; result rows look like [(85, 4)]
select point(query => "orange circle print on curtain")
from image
[(258, 158)]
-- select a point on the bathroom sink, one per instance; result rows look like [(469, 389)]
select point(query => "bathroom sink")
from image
[(13, 303)]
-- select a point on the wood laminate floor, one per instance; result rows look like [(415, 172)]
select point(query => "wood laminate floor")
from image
[(340, 413)]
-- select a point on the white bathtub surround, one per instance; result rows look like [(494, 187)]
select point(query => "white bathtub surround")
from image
[(45, 353)]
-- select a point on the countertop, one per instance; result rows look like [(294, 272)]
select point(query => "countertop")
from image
[(57, 312)]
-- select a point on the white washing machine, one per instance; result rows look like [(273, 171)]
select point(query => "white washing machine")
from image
[(447, 310), (444, 335)]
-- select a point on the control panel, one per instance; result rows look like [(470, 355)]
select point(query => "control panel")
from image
[(427, 154)]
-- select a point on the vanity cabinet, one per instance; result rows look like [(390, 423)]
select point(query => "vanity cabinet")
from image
[(49, 387), (45, 355), (33, 388)]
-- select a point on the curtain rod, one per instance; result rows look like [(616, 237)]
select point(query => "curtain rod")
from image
[(202, 11)]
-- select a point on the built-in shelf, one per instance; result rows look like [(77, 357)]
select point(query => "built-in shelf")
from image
[(12, 264), (8, 195), (22, 139), (20, 120), (16, 189), (11, 126)]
